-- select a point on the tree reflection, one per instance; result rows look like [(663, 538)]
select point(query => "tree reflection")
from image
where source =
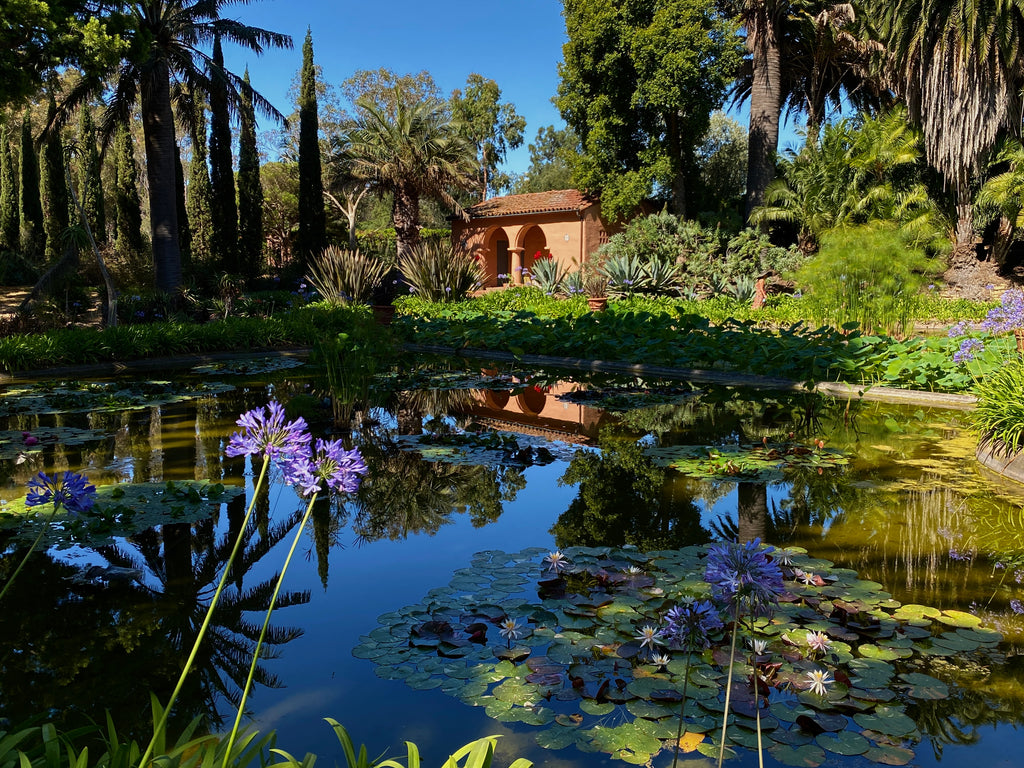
[(403, 495), (624, 498)]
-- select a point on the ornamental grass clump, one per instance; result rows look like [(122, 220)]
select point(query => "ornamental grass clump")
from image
[(344, 277)]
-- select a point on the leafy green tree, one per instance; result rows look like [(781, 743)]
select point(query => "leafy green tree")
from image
[(90, 177), (8, 194), (552, 155), (958, 66), (55, 189), (280, 208), (250, 190), (163, 38), (38, 38), (722, 163), (223, 209), (418, 153), (312, 234), (491, 126), (127, 208), (199, 201), (638, 84), (30, 204), (388, 90)]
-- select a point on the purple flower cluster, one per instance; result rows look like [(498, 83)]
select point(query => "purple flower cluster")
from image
[(329, 464), (1017, 606), (68, 490), (1008, 316), (745, 574), (687, 626), (969, 347), (288, 446)]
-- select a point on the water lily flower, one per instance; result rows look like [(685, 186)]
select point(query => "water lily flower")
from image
[(556, 561), (660, 659), (633, 571), (510, 630), (819, 681), (807, 578), (265, 431), (649, 636), (784, 557), (758, 646), (69, 490), (818, 641)]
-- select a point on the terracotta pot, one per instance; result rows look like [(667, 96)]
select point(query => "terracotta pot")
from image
[(597, 303)]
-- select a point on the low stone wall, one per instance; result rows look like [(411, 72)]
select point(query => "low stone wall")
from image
[(993, 456)]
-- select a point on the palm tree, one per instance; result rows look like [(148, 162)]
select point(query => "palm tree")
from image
[(414, 153), (163, 38), (959, 66)]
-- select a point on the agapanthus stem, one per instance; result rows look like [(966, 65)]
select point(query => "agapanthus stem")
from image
[(263, 632), (728, 680), (28, 554), (757, 709), (682, 708), (144, 760)]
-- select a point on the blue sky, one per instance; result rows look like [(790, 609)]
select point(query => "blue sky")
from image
[(517, 44)]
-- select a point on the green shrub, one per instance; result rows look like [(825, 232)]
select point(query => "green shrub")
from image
[(1000, 412), (866, 275), (345, 277), (440, 273)]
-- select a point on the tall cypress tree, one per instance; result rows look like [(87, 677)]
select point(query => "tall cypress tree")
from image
[(90, 182), (224, 242), (184, 228), (312, 234), (250, 190), (30, 204), (128, 209), (8, 194), (198, 201), (55, 190)]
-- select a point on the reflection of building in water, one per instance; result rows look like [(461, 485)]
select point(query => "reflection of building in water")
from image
[(538, 411)]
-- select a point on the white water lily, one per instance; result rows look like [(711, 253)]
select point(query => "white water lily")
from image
[(510, 630), (649, 636), (807, 578), (819, 680), (660, 659), (759, 646), (556, 561)]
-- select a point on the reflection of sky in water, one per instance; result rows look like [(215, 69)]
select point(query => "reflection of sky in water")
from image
[(897, 528)]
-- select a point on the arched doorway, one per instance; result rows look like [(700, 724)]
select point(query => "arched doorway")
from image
[(498, 262), (534, 245)]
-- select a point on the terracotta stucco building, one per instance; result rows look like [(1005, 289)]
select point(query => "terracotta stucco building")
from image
[(508, 233)]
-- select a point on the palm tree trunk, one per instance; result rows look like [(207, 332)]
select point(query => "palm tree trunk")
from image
[(963, 262), (765, 107), (158, 129), (1003, 240), (405, 212)]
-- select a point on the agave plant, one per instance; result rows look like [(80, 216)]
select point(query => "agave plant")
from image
[(548, 275), (440, 273), (625, 274), (345, 277)]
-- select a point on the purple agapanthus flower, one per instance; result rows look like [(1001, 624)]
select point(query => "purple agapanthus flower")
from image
[(1008, 316), (69, 490), (744, 573), (1017, 606), (968, 349), (687, 626), (265, 431), (329, 464)]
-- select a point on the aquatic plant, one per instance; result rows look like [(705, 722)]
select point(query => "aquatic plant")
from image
[(589, 681)]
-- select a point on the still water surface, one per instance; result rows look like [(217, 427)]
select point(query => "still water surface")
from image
[(574, 467)]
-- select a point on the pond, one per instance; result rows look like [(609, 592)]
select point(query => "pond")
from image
[(476, 476)]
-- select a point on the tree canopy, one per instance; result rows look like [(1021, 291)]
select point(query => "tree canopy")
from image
[(493, 127), (638, 84)]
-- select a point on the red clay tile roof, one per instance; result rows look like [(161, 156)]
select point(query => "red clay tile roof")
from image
[(533, 202)]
